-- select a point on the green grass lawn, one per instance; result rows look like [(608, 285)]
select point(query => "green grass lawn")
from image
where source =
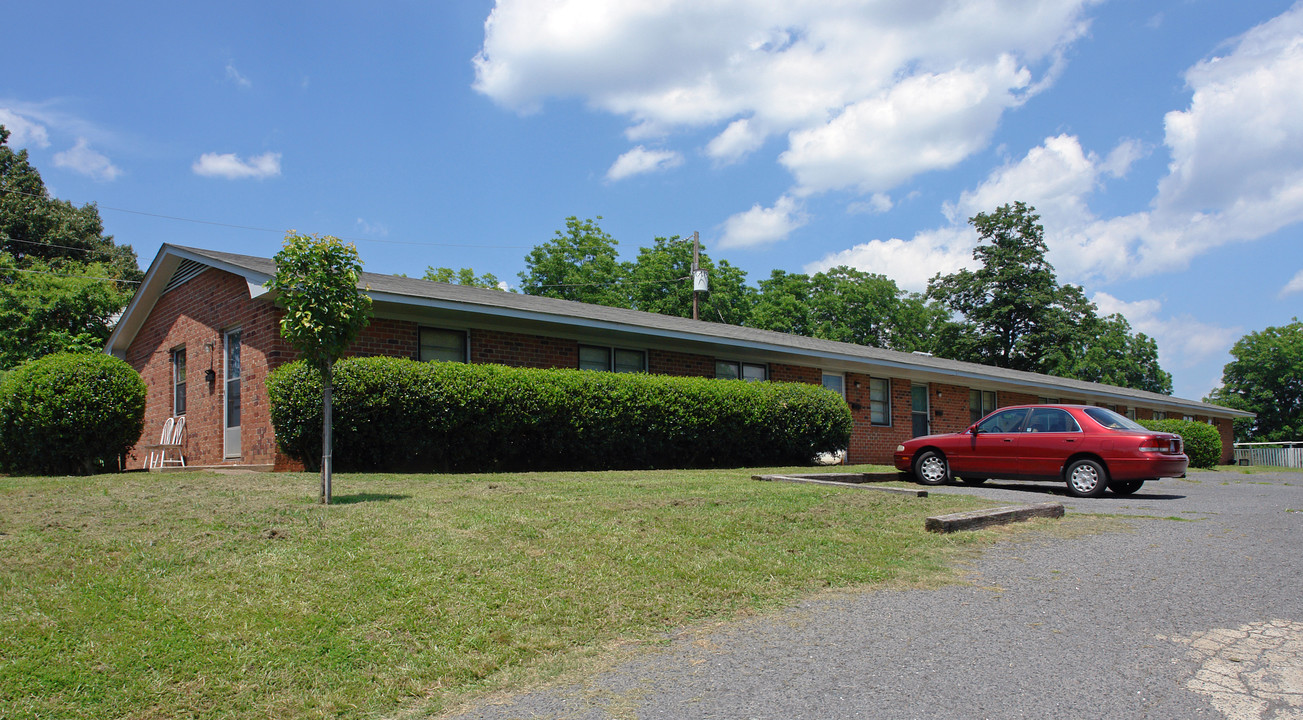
[(207, 595)]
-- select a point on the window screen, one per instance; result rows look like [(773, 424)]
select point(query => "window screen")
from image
[(445, 345)]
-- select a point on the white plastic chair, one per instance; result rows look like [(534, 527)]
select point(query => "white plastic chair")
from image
[(178, 434), (156, 451), (173, 434)]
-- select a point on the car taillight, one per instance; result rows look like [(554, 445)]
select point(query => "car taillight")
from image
[(1156, 444)]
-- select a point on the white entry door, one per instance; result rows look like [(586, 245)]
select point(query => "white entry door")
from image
[(231, 404)]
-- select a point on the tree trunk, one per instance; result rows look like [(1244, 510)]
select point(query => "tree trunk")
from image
[(327, 442)]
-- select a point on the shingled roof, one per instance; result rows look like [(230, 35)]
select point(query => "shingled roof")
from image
[(390, 291)]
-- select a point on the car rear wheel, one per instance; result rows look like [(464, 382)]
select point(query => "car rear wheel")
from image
[(1086, 478), (972, 480), (1125, 487), (931, 468)]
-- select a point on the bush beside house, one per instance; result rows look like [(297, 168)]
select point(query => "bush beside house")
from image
[(69, 414), (1203, 444), (399, 414)]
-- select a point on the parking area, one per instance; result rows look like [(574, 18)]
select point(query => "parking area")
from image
[(1191, 609)]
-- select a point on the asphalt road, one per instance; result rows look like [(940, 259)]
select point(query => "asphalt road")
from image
[(1200, 617)]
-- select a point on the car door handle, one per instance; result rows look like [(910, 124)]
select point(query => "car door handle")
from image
[(1008, 439)]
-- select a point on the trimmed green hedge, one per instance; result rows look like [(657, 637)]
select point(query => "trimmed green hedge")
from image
[(1202, 441), (69, 414), (399, 414)]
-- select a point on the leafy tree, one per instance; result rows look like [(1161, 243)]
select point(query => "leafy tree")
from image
[(462, 276), (1008, 305), (660, 281), (864, 308), (44, 312), (316, 283), (577, 264), (1011, 312), (61, 278), (783, 304), (1105, 350), (1266, 377), (847, 305)]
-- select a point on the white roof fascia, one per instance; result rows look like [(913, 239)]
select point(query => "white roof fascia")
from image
[(1050, 388)]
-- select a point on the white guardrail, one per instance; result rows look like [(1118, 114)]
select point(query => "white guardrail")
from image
[(1275, 454)]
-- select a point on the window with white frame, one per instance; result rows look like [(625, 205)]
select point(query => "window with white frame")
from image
[(441, 344), (980, 404), (1160, 415), (835, 382), (608, 359), (178, 381), (731, 370), (879, 401)]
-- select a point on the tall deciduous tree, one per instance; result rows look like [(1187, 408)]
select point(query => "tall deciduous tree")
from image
[(1009, 304), (316, 282), (462, 276), (1012, 312), (580, 263), (660, 281), (847, 305), (1266, 377), (61, 278)]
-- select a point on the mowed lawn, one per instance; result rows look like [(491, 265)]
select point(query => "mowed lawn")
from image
[(236, 595)]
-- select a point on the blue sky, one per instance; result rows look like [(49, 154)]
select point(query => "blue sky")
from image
[(1159, 139)]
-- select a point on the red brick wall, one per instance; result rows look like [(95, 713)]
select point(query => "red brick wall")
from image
[(1226, 428), (192, 315), (1005, 398), (199, 311), (520, 350), (876, 443), (394, 338), (794, 373), (666, 362)]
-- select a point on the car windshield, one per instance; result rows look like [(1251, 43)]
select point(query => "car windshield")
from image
[(1112, 420)]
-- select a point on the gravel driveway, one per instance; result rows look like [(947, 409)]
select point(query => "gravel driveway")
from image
[(1200, 617)]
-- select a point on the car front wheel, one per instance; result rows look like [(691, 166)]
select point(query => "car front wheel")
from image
[(931, 468), (1086, 478), (1125, 487)]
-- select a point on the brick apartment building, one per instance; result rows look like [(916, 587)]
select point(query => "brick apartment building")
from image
[(203, 332)]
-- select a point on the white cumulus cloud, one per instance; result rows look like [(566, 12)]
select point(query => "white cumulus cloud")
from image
[(1182, 338), (1293, 286), (231, 167), (911, 263), (926, 122), (80, 158), (641, 160), (23, 131), (763, 225), (867, 93)]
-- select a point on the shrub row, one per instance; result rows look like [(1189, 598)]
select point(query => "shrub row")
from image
[(399, 414), (68, 414), (1203, 444)]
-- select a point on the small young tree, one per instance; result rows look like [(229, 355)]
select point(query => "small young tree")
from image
[(316, 283)]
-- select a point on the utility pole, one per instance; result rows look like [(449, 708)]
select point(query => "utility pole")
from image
[(696, 258)]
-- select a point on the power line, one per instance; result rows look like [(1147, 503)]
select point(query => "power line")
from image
[(253, 228), (614, 282)]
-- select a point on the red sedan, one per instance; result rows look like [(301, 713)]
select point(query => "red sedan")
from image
[(1090, 449)]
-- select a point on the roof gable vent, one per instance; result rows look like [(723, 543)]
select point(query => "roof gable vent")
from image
[(185, 272)]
